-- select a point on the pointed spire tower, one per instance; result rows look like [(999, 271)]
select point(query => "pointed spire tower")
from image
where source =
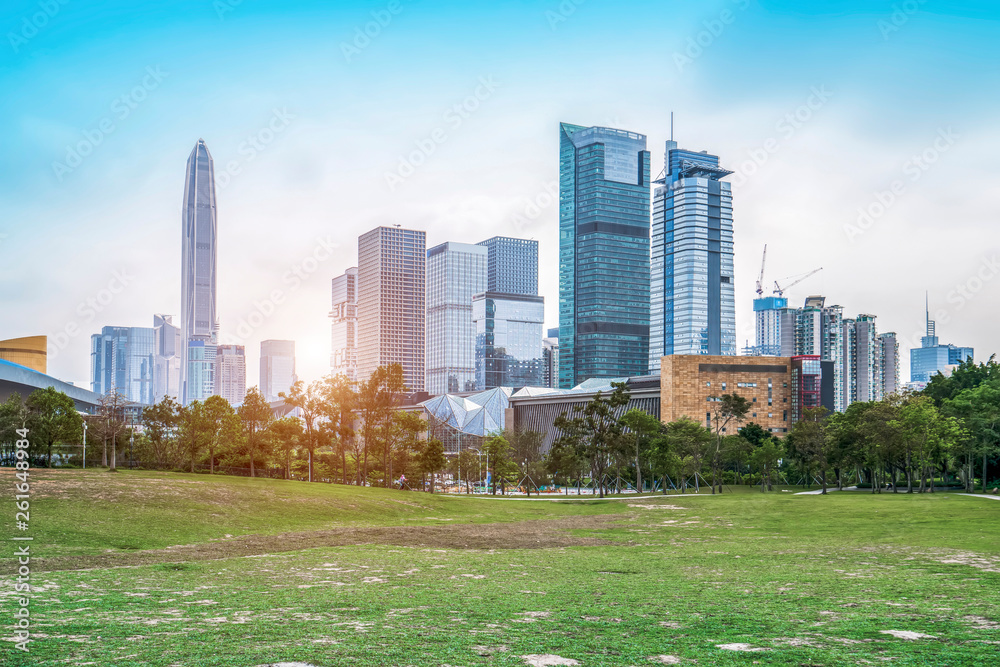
[(199, 325)]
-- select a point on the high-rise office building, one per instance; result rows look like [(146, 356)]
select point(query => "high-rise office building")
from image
[(550, 359), (277, 368), (123, 359), (199, 325), (512, 265), (887, 356), (392, 302), (692, 301), (603, 254), (231, 373), (344, 326), (508, 340), (167, 363), (455, 273), (932, 357), (819, 330)]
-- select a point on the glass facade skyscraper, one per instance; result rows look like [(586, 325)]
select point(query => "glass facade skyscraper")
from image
[(603, 254), (692, 300), (198, 276), (932, 358), (512, 265), (455, 273), (508, 340), (124, 359), (167, 370), (392, 304)]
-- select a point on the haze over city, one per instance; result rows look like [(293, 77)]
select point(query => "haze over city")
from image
[(867, 152)]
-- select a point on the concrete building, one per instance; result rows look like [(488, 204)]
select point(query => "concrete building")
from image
[(692, 297), (690, 384), (887, 356), (819, 330), (862, 382), (199, 252), (344, 325), (392, 303), (231, 373), (277, 368), (603, 254), (456, 272), (550, 358), (123, 359)]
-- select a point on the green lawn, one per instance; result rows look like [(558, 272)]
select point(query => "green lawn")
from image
[(807, 580)]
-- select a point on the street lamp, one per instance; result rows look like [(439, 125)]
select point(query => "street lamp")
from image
[(84, 444), (473, 449)]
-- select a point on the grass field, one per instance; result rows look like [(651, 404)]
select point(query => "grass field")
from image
[(197, 570)]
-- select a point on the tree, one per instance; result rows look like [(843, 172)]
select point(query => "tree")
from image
[(726, 409), (689, 441), (407, 427), (309, 401), (642, 429), (432, 458), (808, 442), (377, 398), (255, 416), (160, 422), (502, 468), (112, 411), (288, 434), (979, 409), (337, 410), (597, 434), (221, 420), (52, 419), (194, 430), (765, 458), (13, 416)]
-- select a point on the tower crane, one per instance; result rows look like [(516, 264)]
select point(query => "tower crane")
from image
[(760, 279), (780, 291)]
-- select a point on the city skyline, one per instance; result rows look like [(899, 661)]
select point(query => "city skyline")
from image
[(793, 143)]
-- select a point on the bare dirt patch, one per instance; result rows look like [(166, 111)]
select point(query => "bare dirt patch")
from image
[(540, 534)]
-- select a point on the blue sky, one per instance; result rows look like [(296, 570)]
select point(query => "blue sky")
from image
[(820, 108)]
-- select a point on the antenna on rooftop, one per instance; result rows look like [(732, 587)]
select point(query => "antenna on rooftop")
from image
[(671, 126)]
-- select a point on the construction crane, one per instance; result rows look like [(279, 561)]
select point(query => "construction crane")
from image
[(760, 279), (780, 291)]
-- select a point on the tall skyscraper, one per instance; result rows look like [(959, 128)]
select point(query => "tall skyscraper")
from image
[(344, 328), (199, 325), (512, 265), (277, 368), (887, 356), (862, 382), (455, 273), (819, 330), (603, 254), (167, 363), (231, 373), (774, 328), (932, 358), (692, 301), (508, 340), (392, 302), (123, 358)]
